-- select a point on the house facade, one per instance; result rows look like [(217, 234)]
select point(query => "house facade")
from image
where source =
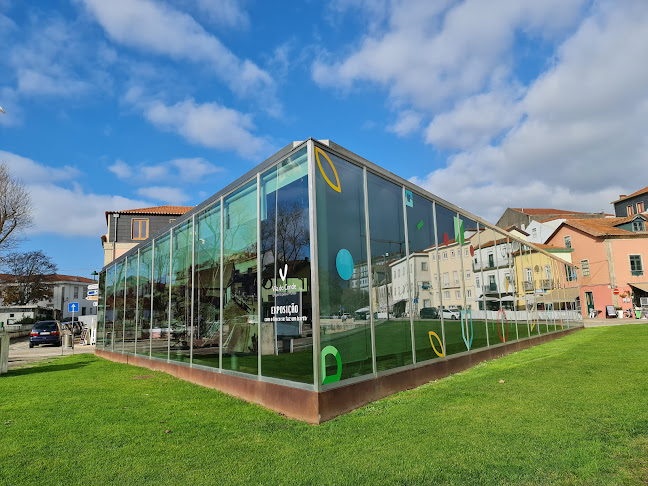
[(127, 228), (522, 217), (611, 254), (635, 203)]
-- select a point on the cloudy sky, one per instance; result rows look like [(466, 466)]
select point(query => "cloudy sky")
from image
[(132, 103)]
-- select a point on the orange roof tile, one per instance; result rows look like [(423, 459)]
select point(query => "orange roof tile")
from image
[(638, 193), (541, 211), (162, 210), (601, 227)]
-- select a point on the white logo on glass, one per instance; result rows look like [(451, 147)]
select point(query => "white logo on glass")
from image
[(285, 273)]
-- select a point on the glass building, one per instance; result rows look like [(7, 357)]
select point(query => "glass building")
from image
[(318, 282)]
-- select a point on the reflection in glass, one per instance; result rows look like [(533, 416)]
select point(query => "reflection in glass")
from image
[(240, 308), (120, 270), (110, 308), (286, 337), (131, 303), (181, 281), (101, 311), (428, 332), (207, 292), (143, 345), (393, 334), (160, 326), (343, 268)]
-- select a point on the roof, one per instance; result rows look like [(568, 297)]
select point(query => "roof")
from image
[(602, 227), (513, 227), (4, 277), (545, 211), (638, 193), (161, 210)]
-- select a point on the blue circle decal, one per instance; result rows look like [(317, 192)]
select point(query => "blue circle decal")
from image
[(344, 264)]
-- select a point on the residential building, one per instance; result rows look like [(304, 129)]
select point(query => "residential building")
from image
[(611, 254), (66, 289), (522, 217), (129, 227), (635, 203)]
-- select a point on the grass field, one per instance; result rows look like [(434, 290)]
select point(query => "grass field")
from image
[(572, 411)]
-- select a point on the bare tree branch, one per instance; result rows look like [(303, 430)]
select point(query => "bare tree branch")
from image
[(15, 209)]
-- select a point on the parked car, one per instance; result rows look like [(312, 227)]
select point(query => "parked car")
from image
[(450, 314), (45, 332), (429, 313)]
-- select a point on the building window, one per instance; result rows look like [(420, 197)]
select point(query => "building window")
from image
[(466, 252), (629, 210), (446, 294), (436, 277), (455, 274), (570, 273), (567, 241), (446, 278), (424, 266), (433, 257), (425, 285), (469, 293), (140, 229), (477, 281), (638, 225), (467, 274), (445, 255), (426, 302), (534, 233), (640, 207), (636, 266), (458, 294), (585, 271), (76, 292), (452, 254), (529, 275)]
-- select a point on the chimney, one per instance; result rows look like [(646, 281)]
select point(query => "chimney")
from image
[(622, 196)]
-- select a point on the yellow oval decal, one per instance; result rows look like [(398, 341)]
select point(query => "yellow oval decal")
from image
[(337, 187)]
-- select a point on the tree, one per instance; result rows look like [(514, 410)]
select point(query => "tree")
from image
[(15, 208), (29, 273)]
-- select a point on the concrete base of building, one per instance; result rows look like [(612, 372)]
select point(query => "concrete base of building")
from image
[(317, 407)]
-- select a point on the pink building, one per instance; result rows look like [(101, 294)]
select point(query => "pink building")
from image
[(610, 253)]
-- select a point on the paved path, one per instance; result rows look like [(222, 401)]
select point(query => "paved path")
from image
[(20, 353), (598, 322)]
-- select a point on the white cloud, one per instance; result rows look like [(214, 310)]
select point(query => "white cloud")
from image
[(64, 210), (408, 122), (583, 138), (121, 169), (228, 13), (160, 29), (208, 124), (187, 170), (475, 121), (167, 194), (32, 172), (433, 52)]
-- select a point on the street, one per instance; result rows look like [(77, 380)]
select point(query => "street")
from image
[(20, 352)]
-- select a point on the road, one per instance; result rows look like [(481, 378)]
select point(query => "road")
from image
[(20, 352)]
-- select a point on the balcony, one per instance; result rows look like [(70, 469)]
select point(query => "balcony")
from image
[(490, 289), (492, 263), (528, 286), (547, 285)]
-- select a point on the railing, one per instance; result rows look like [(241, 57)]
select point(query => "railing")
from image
[(484, 264), (547, 285), (528, 285), (488, 289)]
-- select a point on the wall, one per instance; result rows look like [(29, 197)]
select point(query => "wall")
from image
[(620, 208)]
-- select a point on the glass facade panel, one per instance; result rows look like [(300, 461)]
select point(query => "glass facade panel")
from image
[(160, 331), (287, 325), (346, 349), (143, 344), (393, 334), (472, 320), (458, 338), (110, 308), (120, 272), (207, 292), (181, 281), (131, 303), (428, 331), (101, 311), (240, 307)]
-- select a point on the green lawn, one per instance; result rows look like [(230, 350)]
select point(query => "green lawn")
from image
[(573, 411)]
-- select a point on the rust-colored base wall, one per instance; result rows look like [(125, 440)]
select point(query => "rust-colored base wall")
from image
[(313, 407)]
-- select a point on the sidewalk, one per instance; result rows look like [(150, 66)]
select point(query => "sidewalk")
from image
[(599, 321), (20, 353)]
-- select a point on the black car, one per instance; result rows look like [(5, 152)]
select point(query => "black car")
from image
[(429, 313), (45, 332)]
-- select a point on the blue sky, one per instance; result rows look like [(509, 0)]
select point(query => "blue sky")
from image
[(132, 103)]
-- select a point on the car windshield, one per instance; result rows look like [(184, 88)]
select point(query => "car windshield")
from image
[(45, 326)]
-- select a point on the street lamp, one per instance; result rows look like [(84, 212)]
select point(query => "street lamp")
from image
[(94, 275)]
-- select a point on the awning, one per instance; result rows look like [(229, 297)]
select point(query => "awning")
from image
[(641, 286), (561, 295)]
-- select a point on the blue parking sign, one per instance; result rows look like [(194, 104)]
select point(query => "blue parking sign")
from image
[(73, 307)]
